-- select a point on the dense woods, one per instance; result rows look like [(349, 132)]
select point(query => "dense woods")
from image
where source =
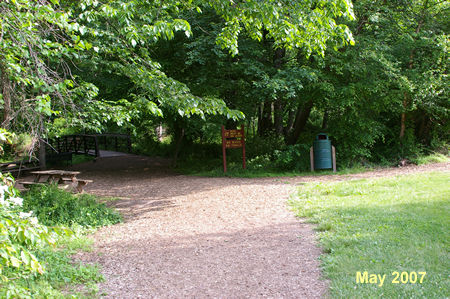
[(373, 75)]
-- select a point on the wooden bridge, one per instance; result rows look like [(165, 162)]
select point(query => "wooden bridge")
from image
[(90, 144), (62, 148)]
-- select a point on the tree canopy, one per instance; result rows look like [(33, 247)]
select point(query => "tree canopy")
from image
[(374, 75)]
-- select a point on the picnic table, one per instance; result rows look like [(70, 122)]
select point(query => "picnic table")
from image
[(59, 177)]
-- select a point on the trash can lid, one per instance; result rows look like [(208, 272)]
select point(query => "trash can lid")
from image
[(322, 136)]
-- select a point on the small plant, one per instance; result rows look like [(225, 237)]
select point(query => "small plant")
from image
[(54, 206), (21, 236), (260, 162), (34, 258)]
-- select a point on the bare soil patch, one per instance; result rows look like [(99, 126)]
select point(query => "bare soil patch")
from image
[(199, 237)]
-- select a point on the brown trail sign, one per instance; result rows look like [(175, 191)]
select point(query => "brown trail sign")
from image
[(233, 139)]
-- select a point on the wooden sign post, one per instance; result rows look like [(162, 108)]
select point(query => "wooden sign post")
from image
[(233, 139)]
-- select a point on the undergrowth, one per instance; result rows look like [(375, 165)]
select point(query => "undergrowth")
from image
[(431, 158), (292, 161), (38, 236), (53, 206)]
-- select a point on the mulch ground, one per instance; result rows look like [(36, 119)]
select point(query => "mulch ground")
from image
[(199, 237)]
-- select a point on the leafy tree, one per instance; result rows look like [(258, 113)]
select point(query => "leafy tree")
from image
[(356, 94), (363, 88), (37, 43), (117, 37)]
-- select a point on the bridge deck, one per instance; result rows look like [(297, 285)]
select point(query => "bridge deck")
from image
[(105, 154)]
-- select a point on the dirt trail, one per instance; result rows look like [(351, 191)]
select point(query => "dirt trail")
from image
[(205, 237)]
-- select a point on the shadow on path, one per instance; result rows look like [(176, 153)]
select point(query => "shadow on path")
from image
[(145, 184)]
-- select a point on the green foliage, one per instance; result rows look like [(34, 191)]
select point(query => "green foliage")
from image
[(21, 235), (381, 226), (293, 157), (387, 73), (54, 206), (34, 258), (117, 79), (92, 66), (432, 158), (62, 276), (62, 272), (60, 127), (6, 138), (36, 43), (260, 162), (298, 24), (257, 145)]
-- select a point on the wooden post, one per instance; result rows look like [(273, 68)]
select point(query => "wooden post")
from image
[(243, 146), (97, 150), (129, 140), (224, 151), (77, 142), (86, 150), (129, 143), (42, 162), (333, 152), (311, 158)]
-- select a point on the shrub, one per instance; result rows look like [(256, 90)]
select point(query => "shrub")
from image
[(260, 146), (292, 157), (54, 206), (260, 162), (20, 235)]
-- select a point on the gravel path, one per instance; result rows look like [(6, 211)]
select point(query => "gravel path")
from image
[(205, 237)]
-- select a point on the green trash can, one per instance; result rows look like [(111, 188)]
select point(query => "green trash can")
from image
[(322, 152)]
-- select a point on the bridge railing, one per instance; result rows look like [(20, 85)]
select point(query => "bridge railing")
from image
[(90, 144), (115, 142)]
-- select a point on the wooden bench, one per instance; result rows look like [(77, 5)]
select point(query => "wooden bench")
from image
[(62, 178), (80, 183), (77, 185)]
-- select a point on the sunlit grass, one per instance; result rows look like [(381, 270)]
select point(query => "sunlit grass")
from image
[(381, 226), (432, 158)]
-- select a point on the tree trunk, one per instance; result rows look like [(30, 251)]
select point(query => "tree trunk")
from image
[(300, 121), (290, 123), (266, 123), (180, 136), (423, 127), (403, 116), (6, 92), (259, 119), (278, 116)]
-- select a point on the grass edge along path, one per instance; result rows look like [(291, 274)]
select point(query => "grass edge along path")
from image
[(393, 224)]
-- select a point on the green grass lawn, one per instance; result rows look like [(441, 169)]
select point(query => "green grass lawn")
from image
[(393, 224)]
